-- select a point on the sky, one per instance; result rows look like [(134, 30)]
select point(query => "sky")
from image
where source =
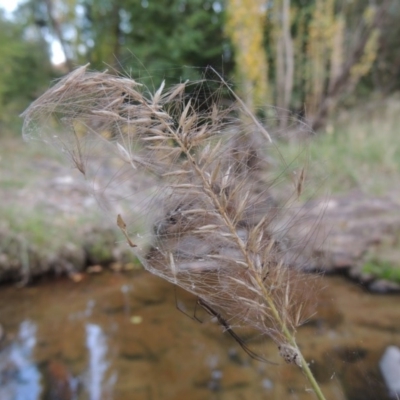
[(57, 55), (9, 5)]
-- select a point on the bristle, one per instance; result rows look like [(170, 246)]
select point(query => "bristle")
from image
[(209, 202)]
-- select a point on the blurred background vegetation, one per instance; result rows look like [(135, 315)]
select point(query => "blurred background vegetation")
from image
[(305, 57), (331, 67)]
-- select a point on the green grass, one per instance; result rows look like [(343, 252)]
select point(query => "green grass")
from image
[(53, 237), (11, 184), (359, 150), (45, 232), (18, 212), (382, 269), (33, 232)]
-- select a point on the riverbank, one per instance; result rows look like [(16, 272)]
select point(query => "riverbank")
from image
[(50, 223)]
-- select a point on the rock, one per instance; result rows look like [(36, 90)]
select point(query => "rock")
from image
[(60, 383), (390, 369), (383, 286), (346, 233), (94, 269)]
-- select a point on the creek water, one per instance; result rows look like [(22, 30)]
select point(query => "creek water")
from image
[(121, 336)]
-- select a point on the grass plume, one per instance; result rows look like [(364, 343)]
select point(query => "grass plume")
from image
[(213, 226)]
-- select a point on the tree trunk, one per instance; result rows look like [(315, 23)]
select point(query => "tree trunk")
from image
[(343, 79), (59, 34), (284, 65)]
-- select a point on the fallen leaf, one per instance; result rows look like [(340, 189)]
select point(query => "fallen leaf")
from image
[(136, 319)]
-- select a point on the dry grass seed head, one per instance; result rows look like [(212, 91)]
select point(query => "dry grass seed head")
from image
[(213, 219)]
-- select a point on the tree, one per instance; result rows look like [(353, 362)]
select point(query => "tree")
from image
[(301, 56), (245, 26), (385, 74), (357, 64), (167, 36), (25, 66), (316, 50)]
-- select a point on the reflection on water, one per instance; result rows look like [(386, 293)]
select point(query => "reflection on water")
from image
[(97, 385), (117, 337), (19, 376)]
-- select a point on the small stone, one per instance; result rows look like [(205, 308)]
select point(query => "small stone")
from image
[(267, 384), (76, 276), (384, 286), (216, 374), (94, 269), (116, 267), (390, 369), (130, 267)]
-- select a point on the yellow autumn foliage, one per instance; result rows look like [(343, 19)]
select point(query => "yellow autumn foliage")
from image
[(321, 33), (245, 27), (306, 61), (371, 50)]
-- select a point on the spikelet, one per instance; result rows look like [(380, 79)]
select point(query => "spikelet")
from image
[(203, 180)]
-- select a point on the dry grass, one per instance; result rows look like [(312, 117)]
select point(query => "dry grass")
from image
[(213, 227)]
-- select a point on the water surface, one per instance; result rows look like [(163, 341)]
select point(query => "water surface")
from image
[(114, 336)]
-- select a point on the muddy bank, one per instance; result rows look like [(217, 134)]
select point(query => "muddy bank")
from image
[(92, 248), (50, 222)]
